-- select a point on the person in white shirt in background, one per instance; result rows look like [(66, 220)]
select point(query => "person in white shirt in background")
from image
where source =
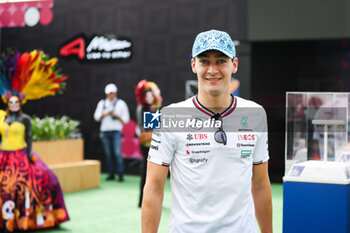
[(112, 112)]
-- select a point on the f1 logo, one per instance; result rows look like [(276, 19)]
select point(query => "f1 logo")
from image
[(151, 120)]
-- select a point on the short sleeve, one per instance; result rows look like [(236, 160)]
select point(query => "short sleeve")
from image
[(162, 148), (261, 151)]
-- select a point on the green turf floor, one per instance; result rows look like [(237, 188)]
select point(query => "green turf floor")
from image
[(112, 208)]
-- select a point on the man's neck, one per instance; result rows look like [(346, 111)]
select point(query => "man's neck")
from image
[(215, 103)]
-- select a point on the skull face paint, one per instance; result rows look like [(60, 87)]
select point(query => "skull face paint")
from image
[(14, 104), (8, 210), (149, 97)]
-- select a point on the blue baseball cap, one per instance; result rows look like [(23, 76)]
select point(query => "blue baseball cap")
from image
[(214, 40)]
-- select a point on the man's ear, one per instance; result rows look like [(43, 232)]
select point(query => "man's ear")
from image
[(193, 65), (235, 65)]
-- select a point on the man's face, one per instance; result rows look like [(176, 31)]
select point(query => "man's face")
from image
[(111, 96), (14, 104), (214, 71)]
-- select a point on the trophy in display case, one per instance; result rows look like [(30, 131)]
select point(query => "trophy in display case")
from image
[(316, 182)]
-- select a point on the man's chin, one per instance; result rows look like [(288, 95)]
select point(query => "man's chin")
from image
[(215, 92)]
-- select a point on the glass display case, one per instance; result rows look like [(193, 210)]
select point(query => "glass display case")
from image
[(316, 127), (316, 184)]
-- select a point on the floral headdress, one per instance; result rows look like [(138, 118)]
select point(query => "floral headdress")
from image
[(29, 76), (142, 87)]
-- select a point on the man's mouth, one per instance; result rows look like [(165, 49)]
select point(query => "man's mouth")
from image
[(213, 79)]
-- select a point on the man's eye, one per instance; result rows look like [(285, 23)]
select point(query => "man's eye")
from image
[(222, 61), (203, 61)]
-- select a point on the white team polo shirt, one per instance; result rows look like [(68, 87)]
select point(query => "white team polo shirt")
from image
[(211, 182)]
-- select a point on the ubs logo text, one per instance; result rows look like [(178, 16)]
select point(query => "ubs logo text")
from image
[(199, 136)]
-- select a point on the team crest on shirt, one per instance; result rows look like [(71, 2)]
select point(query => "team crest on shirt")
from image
[(244, 122)]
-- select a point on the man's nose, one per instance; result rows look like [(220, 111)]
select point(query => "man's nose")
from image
[(212, 69)]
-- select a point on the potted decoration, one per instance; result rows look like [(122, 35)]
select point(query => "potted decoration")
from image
[(57, 140)]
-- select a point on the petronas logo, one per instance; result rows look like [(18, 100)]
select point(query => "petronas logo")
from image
[(244, 122)]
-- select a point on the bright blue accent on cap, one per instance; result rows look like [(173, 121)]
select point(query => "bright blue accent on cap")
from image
[(214, 40)]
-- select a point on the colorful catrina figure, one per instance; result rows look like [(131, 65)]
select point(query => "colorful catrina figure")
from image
[(30, 195), (148, 98)]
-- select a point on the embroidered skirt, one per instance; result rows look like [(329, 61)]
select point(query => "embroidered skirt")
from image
[(30, 194)]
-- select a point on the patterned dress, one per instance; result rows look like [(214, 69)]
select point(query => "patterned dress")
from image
[(30, 194)]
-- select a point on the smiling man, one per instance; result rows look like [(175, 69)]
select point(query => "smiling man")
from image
[(219, 181)]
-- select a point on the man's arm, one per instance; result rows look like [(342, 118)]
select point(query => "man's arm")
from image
[(121, 112), (153, 197), (98, 114), (261, 190)]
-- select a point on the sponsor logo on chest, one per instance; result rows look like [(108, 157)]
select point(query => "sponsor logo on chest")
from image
[(246, 153), (198, 160), (245, 145), (197, 136), (246, 137), (190, 151)]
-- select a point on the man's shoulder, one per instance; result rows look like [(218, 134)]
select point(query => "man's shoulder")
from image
[(185, 103), (121, 101), (101, 102)]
